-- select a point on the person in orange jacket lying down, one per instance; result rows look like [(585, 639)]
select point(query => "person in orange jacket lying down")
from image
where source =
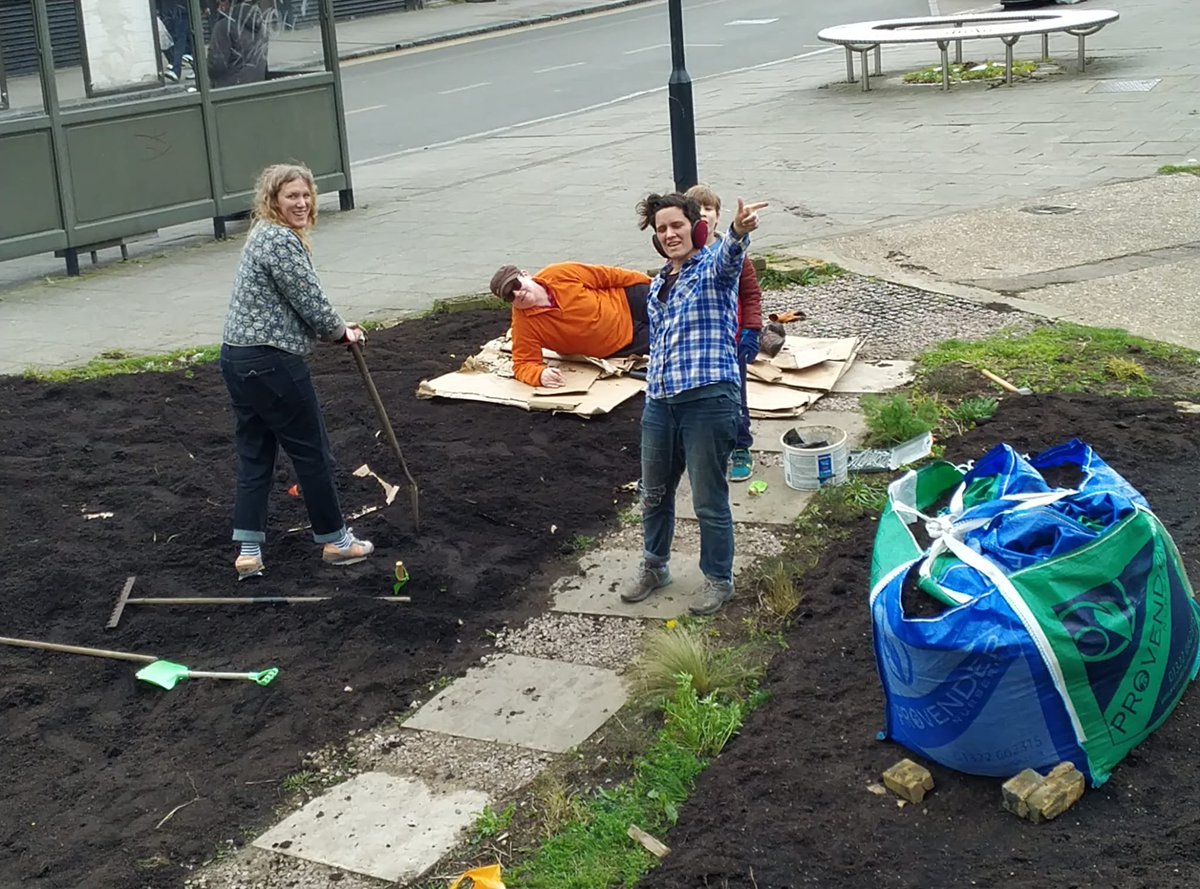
[(573, 309)]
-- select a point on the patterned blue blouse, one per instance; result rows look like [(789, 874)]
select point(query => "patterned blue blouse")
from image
[(277, 297)]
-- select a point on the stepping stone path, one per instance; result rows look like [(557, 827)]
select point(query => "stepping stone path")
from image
[(397, 827)]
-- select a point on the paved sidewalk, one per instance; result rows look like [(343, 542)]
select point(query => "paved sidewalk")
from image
[(834, 163)]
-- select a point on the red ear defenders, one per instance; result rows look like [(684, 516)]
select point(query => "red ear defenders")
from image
[(699, 238)]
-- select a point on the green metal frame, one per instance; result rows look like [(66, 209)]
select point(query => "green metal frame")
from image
[(3, 85), (94, 174)]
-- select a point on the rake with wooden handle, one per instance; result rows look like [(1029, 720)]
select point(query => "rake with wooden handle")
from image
[(414, 493)]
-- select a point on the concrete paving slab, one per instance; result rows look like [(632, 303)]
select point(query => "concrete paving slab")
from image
[(375, 824), (778, 506), (875, 376), (525, 701), (597, 590), (768, 434)]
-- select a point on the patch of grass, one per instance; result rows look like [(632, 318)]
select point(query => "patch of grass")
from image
[(593, 849), (684, 650), (1126, 369), (1173, 169), (960, 72), (555, 804), (778, 594), (117, 362), (630, 515), (1069, 358), (895, 418), (784, 273)]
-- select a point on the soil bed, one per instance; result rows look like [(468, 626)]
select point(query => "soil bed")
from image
[(787, 805), (92, 759)]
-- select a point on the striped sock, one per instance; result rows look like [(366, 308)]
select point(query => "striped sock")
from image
[(252, 549), (345, 540)]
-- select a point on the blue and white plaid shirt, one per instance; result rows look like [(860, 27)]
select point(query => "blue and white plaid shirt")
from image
[(693, 335)]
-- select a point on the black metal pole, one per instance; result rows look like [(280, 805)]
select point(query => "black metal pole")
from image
[(683, 120)]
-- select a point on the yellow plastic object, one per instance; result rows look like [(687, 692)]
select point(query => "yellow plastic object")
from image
[(481, 878)]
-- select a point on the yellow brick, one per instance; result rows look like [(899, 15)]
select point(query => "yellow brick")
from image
[(908, 780), (1017, 790)]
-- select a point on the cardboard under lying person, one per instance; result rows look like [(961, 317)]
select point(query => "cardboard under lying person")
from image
[(783, 386)]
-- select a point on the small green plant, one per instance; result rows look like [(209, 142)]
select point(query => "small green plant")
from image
[(1172, 169), (490, 823), (304, 780), (630, 515), (895, 418), (686, 650), (778, 594), (970, 411), (964, 71), (581, 543), (865, 494), (1126, 370)]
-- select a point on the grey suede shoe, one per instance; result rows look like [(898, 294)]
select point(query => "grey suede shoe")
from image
[(650, 579), (716, 594)]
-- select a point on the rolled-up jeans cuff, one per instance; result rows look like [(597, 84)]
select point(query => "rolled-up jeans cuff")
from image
[(240, 535), (654, 561), (331, 537)]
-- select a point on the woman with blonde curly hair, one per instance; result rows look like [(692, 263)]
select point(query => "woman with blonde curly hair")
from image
[(277, 314)]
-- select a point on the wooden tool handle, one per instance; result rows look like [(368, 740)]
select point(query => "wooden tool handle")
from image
[(1000, 381), (79, 649)]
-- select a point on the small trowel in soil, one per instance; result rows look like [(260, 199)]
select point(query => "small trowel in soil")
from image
[(166, 674)]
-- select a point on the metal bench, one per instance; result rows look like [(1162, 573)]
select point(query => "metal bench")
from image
[(863, 37)]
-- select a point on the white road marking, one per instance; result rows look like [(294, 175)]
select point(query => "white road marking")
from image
[(558, 67), (630, 52), (752, 22), (553, 117), (463, 89), (368, 108)]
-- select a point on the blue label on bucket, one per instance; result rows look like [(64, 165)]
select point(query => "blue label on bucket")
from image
[(825, 466)]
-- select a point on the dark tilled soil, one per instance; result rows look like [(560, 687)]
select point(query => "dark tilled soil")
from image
[(92, 760), (786, 804)]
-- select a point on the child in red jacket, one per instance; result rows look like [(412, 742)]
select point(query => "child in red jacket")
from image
[(741, 461)]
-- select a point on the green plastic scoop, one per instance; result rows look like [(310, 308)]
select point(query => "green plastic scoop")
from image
[(166, 674)]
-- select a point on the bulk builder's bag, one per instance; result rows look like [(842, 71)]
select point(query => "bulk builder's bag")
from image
[(1054, 623)]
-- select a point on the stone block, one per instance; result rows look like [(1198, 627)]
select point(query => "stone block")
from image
[(1017, 791), (1060, 790), (908, 780)]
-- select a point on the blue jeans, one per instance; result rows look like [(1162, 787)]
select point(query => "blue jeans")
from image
[(176, 20), (697, 436), (274, 404)]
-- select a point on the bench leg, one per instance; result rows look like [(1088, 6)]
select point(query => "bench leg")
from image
[(849, 65), (879, 61), (1082, 54), (71, 255), (945, 49), (958, 52), (1045, 47), (866, 72), (124, 252)]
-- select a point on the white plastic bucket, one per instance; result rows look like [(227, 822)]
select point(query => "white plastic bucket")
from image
[(808, 469)]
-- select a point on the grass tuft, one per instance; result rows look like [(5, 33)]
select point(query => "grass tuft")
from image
[(964, 71), (778, 594), (684, 650), (781, 274), (895, 418)]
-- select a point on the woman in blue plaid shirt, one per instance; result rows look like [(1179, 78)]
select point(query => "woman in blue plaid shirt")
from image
[(693, 391)]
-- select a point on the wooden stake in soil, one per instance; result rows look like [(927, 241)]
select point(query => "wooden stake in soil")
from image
[(649, 843)]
